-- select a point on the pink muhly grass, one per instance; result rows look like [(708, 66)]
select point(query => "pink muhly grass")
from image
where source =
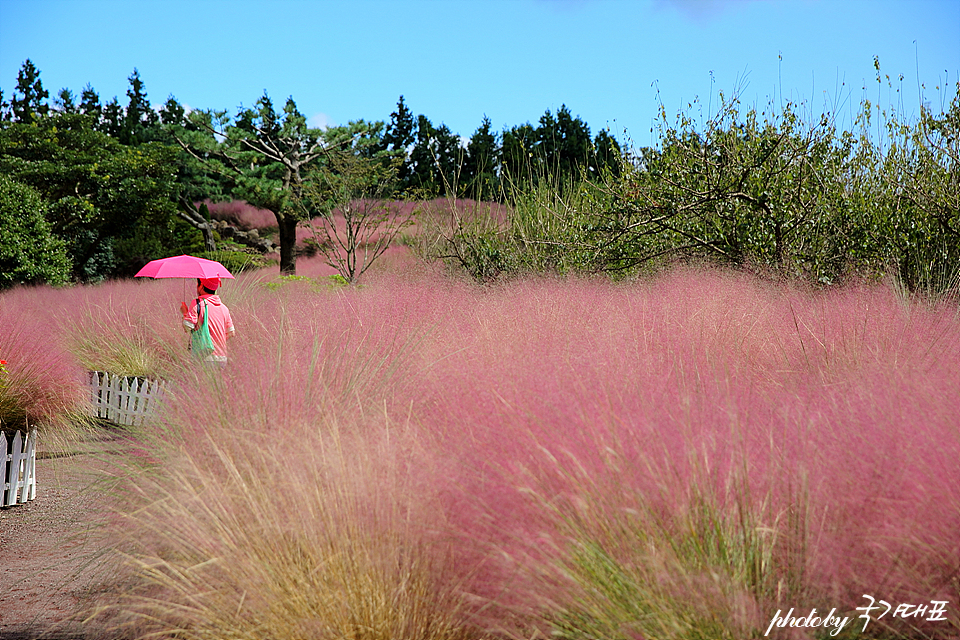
[(706, 387), (242, 214), (292, 503), (128, 328), (674, 458), (41, 386)]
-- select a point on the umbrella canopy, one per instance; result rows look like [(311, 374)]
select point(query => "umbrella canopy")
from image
[(183, 267)]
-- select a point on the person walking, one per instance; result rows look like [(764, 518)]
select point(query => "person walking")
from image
[(207, 308)]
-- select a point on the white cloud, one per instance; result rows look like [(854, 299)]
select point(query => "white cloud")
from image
[(320, 121), (700, 10)]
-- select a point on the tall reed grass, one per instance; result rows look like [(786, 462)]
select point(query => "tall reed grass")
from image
[(674, 458)]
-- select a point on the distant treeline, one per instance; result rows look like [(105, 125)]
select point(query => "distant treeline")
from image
[(111, 185), (91, 190)]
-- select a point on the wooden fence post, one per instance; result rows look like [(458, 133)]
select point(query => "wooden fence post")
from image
[(124, 400), (19, 457)]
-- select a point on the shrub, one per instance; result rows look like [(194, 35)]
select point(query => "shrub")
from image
[(29, 252), (778, 191)]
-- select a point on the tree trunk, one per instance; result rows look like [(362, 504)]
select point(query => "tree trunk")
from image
[(208, 242), (194, 217), (288, 241)]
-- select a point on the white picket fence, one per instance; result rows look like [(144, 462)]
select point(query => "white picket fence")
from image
[(19, 467), (123, 399)]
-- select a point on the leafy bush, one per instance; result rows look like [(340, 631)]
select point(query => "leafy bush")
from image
[(237, 261), (29, 252)]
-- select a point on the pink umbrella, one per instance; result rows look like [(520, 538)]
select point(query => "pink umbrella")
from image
[(183, 267)]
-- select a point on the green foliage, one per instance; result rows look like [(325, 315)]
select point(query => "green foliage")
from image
[(29, 252), (435, 160), (480, 165), (397, 138), (336, 281), (148, 242), (326, 283), (261, 157), (96, 189), (236, 261), (766, 191), (139, 116), (558, 150), (29, 99)]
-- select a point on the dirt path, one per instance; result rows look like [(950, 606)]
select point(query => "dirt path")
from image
[(52, 563)]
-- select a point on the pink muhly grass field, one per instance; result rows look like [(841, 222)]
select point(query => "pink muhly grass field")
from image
[(241, 214), (41, 386), (827, 421), (674, 458)]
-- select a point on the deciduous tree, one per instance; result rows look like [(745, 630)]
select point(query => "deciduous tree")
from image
[(349, 189), (96, 188)]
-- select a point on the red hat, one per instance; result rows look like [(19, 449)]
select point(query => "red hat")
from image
[(210, 284)]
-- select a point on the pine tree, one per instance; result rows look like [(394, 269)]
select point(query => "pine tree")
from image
[(64, 102), (29, 98), (139, 116), (480, 164), (90, 103), (400, 132), (399, 137), (112, 119)]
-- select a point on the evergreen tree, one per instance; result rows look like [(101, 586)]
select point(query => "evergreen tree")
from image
[(480, 163), (398, 139), (29, 98), (64, 102), (139, 117), (90, 103), (401, 130), (112, 119), (563, 143), (436, 159), (172, 112), (448, 160), (516, 154), (264, 159), (606, 155), (421, 158)]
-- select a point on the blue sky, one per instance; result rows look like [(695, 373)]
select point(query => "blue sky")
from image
[(610, 61)]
